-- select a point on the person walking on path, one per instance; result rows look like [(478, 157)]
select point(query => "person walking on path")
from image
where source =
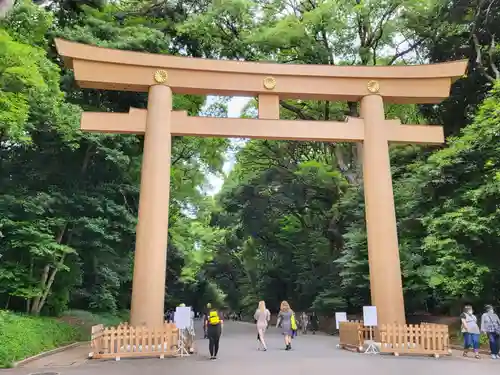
[(490, 325), (470, 330), (205, 320), (304, 321), (314, 322), (214, 331), (262, 316), (285, 320)]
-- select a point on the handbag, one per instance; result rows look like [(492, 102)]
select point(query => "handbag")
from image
[(496, 327)]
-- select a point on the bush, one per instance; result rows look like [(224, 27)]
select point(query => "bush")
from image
[(23, 336)]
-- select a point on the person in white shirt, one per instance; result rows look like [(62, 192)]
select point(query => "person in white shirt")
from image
[(262, 317), (471, 331)]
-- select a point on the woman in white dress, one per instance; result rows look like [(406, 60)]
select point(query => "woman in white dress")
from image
[(262, 317)]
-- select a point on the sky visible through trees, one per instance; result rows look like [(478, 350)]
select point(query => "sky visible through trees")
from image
[(234, 109)]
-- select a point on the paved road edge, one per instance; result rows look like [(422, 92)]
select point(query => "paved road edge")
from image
[(47, 353)]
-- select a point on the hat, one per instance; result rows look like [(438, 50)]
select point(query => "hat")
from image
[(182, 305)]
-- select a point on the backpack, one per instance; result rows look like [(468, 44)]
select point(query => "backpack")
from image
[(293, 323), (213, 318)]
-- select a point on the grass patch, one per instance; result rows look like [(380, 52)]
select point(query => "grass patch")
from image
[(23, 336)]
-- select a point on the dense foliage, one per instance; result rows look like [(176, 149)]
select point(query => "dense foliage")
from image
[(68, 199), (289, 220)]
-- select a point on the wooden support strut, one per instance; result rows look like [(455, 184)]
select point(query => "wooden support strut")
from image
[(134, 122)]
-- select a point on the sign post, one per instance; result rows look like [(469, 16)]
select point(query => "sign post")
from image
[(339, 318), (370, 321), (182, 320)]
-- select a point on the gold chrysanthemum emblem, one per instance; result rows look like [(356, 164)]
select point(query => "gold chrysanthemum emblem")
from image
[(373, 86), (161, 76), (269, 83)]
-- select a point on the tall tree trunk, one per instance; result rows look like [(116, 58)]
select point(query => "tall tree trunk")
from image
[(28, 300), (50, 281), (36, 302)]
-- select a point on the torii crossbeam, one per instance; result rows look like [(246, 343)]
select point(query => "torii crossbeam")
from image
[(160, 75), (325, 131)]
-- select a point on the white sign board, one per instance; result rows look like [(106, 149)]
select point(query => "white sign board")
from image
[(182, 317), (340, 317), (370, 316)]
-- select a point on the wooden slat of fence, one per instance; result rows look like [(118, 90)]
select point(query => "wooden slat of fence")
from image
[(119, 339), (137, 338), (109, 340), (154, 341)]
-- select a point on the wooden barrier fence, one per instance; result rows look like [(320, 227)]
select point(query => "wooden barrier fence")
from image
[(353, 335), (126, 341), (423, 339)]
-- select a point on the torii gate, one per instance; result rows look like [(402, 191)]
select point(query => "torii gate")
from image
[(160, 75)]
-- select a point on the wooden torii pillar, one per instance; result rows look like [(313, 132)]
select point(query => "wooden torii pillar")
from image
[(159, 75)]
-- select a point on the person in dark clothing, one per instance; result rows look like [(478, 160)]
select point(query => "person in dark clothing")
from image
[(205, 320), (213, 325), (168, 316), (314, 322)]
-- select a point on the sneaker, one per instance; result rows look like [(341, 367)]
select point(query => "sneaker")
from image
[(493, 356)]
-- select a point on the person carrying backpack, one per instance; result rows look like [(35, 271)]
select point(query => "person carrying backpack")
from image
[(213, 326)]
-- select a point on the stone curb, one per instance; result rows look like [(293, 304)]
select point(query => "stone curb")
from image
[(47, 353)]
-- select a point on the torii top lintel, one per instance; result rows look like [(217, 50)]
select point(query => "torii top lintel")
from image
[(110, 69)]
